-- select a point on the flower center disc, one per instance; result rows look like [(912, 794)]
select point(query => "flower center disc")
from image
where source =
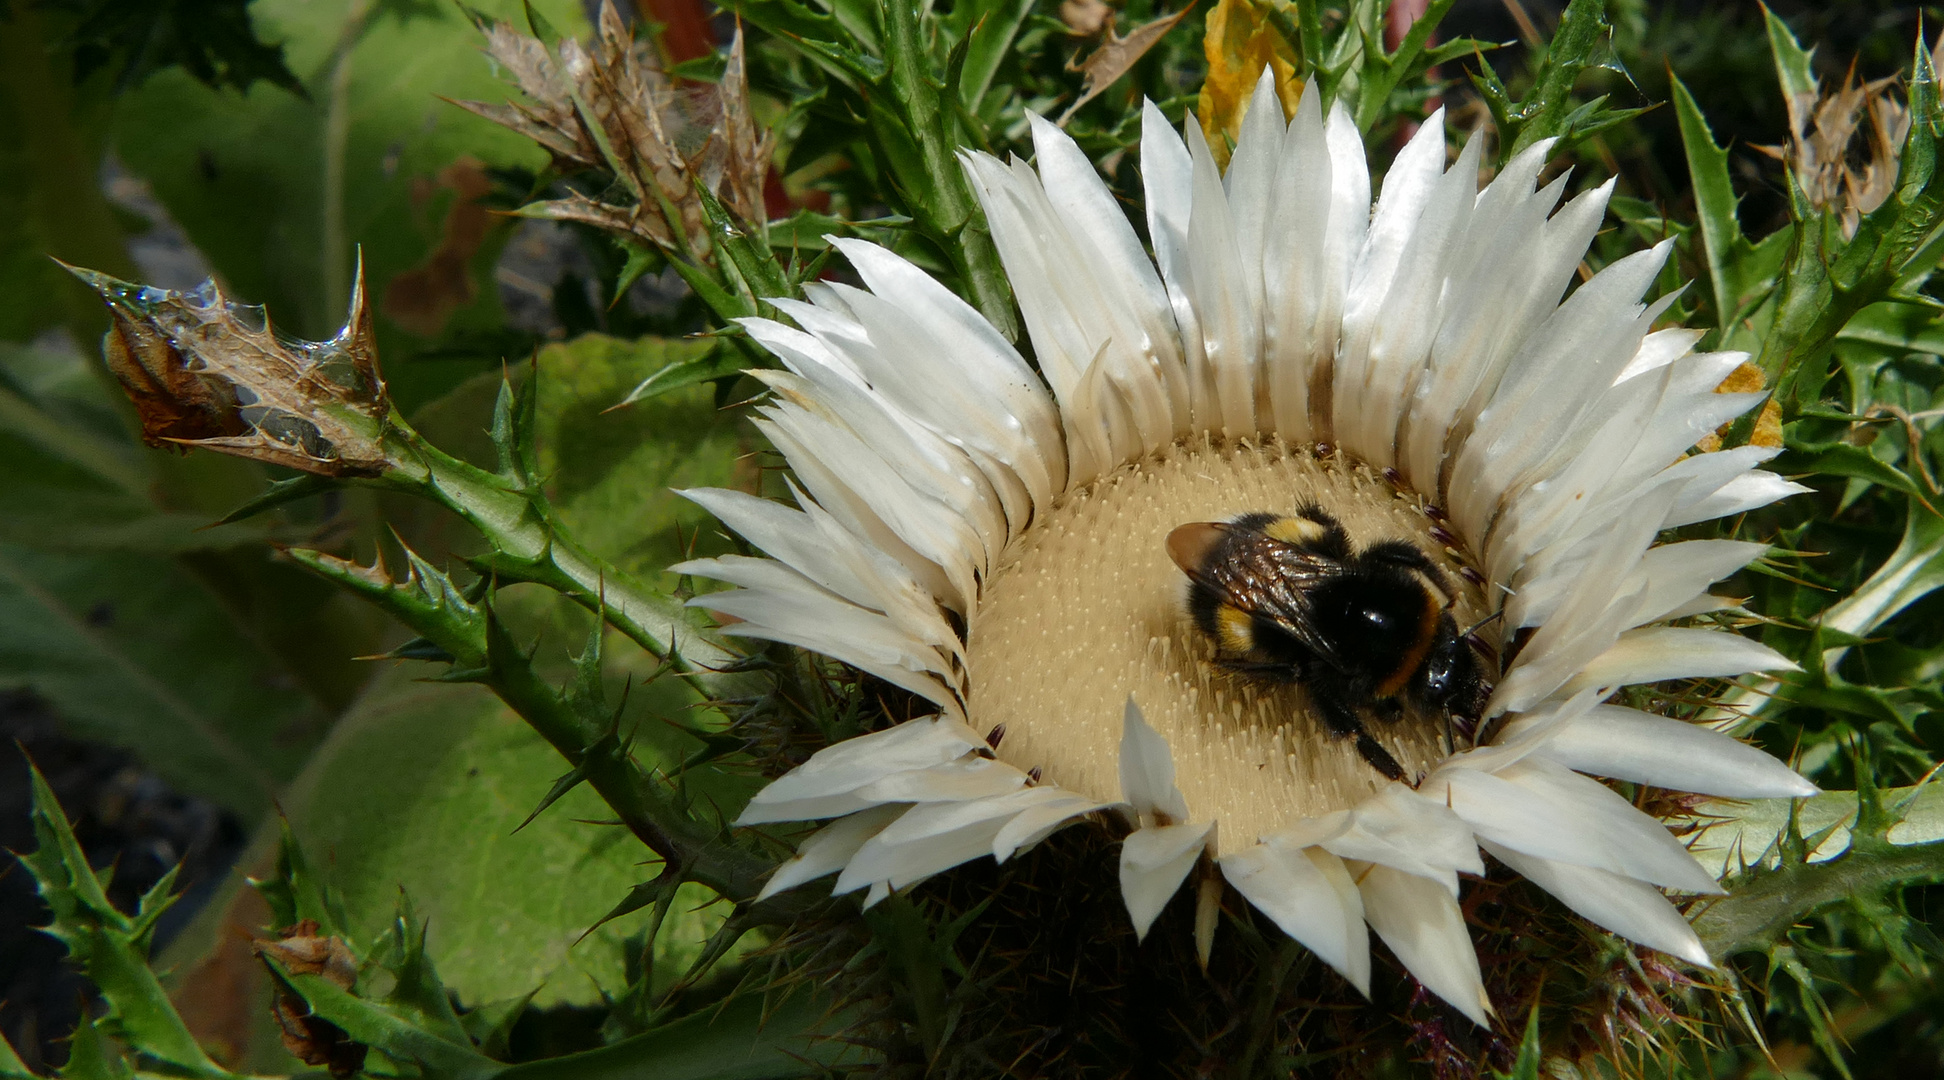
[(1086, 608)]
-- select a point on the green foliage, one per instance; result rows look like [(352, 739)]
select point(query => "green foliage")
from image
[(1548, 110), (112, 947), (108, 576), (213, 41), (281, 193)]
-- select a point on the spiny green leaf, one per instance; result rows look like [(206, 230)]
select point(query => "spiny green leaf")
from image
[(1912, 572), (995, 24), (1829, 865), (1715, 202), (389, 1029), (710, 366), (491, 1025), (416, 989), (746, 248), (513, 426), (294, 893), (1793, 70), (1582, 32), (568, 781), (92, 1055), (109, 946)]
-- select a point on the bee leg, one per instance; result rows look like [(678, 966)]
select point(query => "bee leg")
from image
[(1341, 718), (1378, 757), (1334, 542)]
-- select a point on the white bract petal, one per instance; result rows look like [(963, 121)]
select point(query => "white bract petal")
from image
[(1308, 893), (1424, 929), (1627, 744), (830, 848), (1154, 862), (1635, 911), (1147, 772)]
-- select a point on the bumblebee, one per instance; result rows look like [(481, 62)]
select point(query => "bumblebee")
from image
[(1289, 599)]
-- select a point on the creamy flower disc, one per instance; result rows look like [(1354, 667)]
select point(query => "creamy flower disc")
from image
[(1426, 343)]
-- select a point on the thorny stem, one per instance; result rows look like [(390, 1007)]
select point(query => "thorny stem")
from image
[(532, 544), (950, 210), (1759, 912)]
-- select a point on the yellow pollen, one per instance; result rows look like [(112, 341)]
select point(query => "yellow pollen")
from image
[(1087, 608)]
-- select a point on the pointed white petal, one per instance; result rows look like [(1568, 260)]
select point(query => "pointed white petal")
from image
[(1229, 311), (934, 837), (1627, 744), (971, 777), (1397, 827), (1154, 862), (831, 490), (1660, 348), (1632, 909), (1542, 808), (1299, 271), (829, 848), (851, 764), (967, 779), (1038, 822), (862, 639), (1677, 573), (1749, 491), (1252, 184), (1654, 653), (1308, 893), (1147, 771), (1421, 923)]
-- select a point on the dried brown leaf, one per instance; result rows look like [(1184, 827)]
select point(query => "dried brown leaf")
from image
[(747, 149), (204, 371), (311, 1038), (1116, 55), (608, 105)]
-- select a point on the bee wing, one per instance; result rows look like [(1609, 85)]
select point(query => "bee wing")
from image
[(1271, 579)]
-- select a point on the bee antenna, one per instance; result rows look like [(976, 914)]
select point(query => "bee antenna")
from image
[(1473, 628)]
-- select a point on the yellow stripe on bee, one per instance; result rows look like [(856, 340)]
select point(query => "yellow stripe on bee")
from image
[(1235, 628), (1294, 530)]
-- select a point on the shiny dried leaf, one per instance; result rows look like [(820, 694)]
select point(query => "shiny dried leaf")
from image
[(205, 371)]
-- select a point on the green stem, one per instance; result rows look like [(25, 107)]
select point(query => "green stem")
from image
[(531, 544), (947, 207)]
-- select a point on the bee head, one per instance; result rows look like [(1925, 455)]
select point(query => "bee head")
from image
[(1451, 677)]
